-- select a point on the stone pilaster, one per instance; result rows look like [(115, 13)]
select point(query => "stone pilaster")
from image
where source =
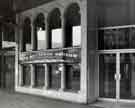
[(46, 76), (20, 75), (63, 77), (32, 36), (47, 35), (63, 31), (32, 75)]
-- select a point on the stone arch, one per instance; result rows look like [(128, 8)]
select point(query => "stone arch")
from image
[(55, 18), (39, 32), (26, 34), (72, 18), (39, 21), (54, 22)]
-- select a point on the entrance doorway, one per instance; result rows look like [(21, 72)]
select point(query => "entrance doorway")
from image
[(7, 69), (117, 75)]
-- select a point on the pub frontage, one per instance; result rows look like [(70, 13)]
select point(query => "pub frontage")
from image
[(76, 50), (49, 54)]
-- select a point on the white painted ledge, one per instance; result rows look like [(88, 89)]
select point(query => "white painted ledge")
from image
[(61, 95)]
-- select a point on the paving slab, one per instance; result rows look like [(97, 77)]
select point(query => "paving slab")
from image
[(17, 100), (106, 104)]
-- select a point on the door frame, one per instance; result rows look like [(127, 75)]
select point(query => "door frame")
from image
[(117, 75)]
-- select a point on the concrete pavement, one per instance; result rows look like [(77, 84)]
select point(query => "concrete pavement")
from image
[(17, 100)]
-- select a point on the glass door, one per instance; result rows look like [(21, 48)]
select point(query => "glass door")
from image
[(107, 82), (117, 76), (127, 71)]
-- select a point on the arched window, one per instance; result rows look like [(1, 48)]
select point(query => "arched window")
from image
[(26, 35), (40, 32), (55, 31), (73, 25), (8, 37)]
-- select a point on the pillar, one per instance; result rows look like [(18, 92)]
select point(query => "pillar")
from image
[(1, 55), (62, 66), (89, 56), (17, 36), (47, 46), (63, 31), (18, 49), (132, 75), (46, 76), (32, 75), (32, 35), (63, 77), (1, 33), (20, 81), (21, 37), (2, 70)]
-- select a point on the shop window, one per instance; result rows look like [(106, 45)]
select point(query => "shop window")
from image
[(26, 75), (39, 75), (26, 35), (73, 77), (55, 76), (73, 26), (40, 32), (55, 30)]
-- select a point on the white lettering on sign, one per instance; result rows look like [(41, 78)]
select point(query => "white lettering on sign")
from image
[(68, 54)]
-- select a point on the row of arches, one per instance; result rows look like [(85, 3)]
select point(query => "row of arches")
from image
[(49, 34)]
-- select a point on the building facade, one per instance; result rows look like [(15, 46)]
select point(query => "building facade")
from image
[(50, 51), (77, 50)]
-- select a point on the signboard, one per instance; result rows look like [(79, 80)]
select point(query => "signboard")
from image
[(72, 55)]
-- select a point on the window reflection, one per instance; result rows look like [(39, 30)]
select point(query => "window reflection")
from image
[(107, 83), (132, 38), (39, 75), (116, 39), (73, 77), (127, 71), (55, 76), (26, 75)]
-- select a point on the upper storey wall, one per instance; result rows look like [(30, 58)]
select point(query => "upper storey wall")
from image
[(27, 4), (115, 12), (46, 9)]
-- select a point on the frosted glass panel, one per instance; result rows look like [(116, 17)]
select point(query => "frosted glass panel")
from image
[(56, 38), (7, 44), (41, 39), (76, 30)]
